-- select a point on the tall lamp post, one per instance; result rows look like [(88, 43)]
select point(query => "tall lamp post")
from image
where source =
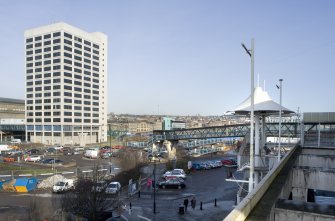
[(110, 148), (280, 110), (251, 53), (154, 183)]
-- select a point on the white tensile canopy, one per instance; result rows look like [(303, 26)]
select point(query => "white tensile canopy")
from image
[(263, 104)]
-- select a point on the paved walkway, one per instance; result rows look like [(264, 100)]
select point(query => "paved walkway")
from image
[(204, 185), (171, 212)]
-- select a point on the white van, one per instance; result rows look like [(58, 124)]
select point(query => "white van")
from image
[(15, 141), (63, 186), (92, 153)]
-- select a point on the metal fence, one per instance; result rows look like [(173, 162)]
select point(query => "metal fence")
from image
[(86, 172), (319, 135)]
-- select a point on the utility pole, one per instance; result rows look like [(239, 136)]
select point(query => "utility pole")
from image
[(280, 110), (154, 183), (251, 53), (110, 148)]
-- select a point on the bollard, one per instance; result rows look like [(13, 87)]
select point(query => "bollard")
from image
[(139, 194), (181, 209), (200, 205), (130, 205), (215, 202)]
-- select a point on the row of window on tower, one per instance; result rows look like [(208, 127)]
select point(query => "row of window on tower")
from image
[(58, 34), (59, 120)]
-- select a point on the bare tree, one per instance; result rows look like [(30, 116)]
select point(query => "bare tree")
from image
[(33, 210), (130, 159), (89, 199)]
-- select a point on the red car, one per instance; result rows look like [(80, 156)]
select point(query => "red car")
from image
[(118, 147), (229, 162)]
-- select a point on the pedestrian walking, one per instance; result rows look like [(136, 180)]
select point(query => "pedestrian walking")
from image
[(153, 183), (193, 201), (185, 204), (149, 183)]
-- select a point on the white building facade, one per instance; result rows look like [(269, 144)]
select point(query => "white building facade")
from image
[(66, 85)]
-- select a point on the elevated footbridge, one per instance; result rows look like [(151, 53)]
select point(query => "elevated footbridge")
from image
[(288, 129)]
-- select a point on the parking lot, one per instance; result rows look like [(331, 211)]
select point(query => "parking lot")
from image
[(67, 165), (204, 185)]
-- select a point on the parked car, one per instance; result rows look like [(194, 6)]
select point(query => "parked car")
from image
[(75, 152), (100, 186), (59, 148), (218, 164), (50, 150), (63, 186), (174, 174), (8, 159), (205, 166), (15, 141), (113, 188), (196, 166), (52, 161), (15, 153), (33, 151), (229, 162), (33, 158), (118, 147), (79, 149), (179, 170), (67, 151), (172, 183), (211, 164), (92, 153), (105, 149), (106, 155)]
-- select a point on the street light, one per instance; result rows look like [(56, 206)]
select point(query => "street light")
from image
[(110, 148), (154, 183), (251, 53), (280, 110)]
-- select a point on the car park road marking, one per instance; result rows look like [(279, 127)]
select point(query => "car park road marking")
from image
[(5, 175), (46, 174), (102, 170), (67, 172), (87, 171), (44, 195), (4, 207), (29, 174), (123, 217), (142, 217)]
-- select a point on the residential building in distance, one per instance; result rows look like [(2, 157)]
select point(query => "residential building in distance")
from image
[(171, 124), (137, 124), (66, 85)]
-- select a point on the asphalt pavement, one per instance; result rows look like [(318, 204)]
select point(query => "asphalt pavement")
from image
[(205, 186)]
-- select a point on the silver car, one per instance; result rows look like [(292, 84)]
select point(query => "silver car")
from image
[(113, 188)]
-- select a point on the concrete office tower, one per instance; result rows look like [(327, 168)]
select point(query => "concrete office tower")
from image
[(66, 85)]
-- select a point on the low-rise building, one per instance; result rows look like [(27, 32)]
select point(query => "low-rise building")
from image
[(12, 119)]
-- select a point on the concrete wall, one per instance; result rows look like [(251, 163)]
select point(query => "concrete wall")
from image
[(248, 204), (313, 178), (302, 211), (285, 215), (313, 170), (318, 151), (318, 161)]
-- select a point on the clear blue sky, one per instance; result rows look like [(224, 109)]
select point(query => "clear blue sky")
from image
[(185, 57)]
